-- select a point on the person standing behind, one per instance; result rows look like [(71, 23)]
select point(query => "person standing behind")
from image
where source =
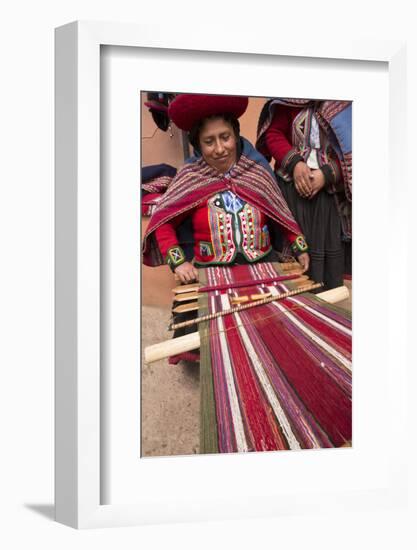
[(310, 141)]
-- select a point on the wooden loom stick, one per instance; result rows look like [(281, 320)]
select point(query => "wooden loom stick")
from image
[(193, 305), (184, 308), (260, 296), (334, 295), (186, 297), (198, 287), (239, 299), (192, 297), (191, 287), (236, 309), (194, 288), (174, 346)]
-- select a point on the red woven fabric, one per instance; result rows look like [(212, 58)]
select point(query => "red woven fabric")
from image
[(282, 371)]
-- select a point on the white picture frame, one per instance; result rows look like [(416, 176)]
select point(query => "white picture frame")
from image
[(78, 265)]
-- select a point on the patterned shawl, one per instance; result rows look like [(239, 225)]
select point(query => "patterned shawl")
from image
[(251, 178), (335, 119)]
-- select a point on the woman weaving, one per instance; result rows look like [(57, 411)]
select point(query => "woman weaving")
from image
[(229, 192), (271, 377)]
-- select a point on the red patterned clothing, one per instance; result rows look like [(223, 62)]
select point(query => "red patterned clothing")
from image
[(197, 191), (219, 234), (288, 138), (284, 133), (319, 134)]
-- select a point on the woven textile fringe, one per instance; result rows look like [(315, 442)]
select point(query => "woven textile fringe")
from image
[(274, 377)]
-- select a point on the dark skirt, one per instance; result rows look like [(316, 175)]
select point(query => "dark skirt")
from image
[(319, 220)]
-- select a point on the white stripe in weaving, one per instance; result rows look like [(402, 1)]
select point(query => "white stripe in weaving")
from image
[(231, 389), (269, 391), (314, 337), (328, 320)]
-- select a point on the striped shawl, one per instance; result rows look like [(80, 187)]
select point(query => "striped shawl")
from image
[(251, 178)]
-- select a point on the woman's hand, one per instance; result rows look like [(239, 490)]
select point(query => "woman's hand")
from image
[(186, 272), (302, 179), (304, 260), (317, 182)]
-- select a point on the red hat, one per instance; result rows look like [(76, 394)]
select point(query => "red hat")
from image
[(187, 109)]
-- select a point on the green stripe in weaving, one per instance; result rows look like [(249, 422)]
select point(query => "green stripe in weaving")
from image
[(208, 421), (332, 307)]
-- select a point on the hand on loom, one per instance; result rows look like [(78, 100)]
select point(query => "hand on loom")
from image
[(187, 272), (304, 261)]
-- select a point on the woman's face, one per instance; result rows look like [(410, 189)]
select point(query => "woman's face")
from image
[(218, 144)]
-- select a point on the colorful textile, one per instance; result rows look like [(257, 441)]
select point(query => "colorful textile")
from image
[(273, 377), (251, 179), (176, 256), (149, 202), (157, 185), (220, 235), (155, 179), (335, 154)]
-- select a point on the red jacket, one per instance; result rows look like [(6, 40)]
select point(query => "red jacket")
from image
[(279, 141), (215, 236)]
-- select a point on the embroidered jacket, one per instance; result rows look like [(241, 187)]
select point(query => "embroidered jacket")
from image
[(198, 191), (221, 231)]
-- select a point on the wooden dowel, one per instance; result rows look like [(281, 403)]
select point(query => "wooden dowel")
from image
[(185, 297), (290, 266), (260, 296), (238, 308), (334, 295), (172, 347), (181, 344), (239, 299), (183, 308), (192, 287)]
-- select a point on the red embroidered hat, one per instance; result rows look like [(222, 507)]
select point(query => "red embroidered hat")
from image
[(187, 109)]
